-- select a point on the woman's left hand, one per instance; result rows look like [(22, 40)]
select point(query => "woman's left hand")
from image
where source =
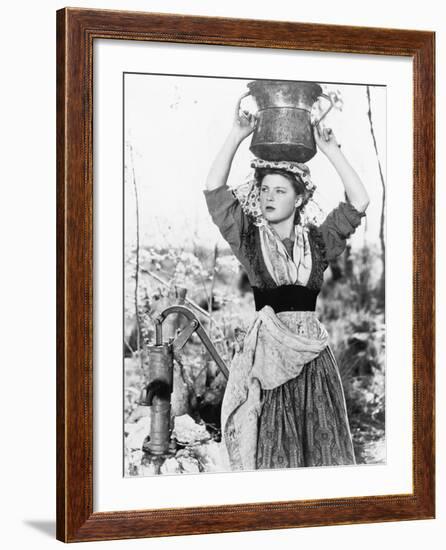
[(326, 141)]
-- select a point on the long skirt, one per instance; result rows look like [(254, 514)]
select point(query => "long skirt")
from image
[(304, 421)]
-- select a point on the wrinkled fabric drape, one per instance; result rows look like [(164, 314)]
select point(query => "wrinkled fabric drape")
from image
[(271, 355)]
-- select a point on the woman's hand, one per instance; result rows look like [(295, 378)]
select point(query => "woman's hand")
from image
[(244, 122), (326, 141)]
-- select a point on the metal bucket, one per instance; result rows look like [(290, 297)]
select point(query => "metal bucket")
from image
[(284, 129)]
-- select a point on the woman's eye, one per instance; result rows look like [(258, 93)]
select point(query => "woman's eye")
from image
[(265, 190)]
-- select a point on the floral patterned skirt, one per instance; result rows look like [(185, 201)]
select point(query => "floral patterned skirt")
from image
[(304, 421)]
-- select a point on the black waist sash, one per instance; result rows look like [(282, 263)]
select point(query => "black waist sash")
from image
[(285, 298)]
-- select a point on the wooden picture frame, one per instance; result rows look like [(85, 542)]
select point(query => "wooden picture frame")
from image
[(77, 29)]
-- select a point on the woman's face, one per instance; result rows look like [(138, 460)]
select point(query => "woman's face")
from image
[(277, 198)]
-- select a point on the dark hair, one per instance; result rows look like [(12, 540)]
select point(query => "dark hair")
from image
[(295, 180)]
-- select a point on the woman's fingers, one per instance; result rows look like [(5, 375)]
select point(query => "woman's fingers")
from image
[(246, 119), (244, 116), (327, 134), (324, 138)]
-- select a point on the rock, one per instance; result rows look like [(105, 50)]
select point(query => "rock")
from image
[(171, 466), (211, 457), (133, 462), (189, 465), (137, 432), (147, 469), (139, 412), (187, 431)]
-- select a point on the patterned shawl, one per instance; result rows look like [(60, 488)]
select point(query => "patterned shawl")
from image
[(283, 269)]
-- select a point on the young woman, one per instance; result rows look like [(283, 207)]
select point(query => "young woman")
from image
[(284, 405)]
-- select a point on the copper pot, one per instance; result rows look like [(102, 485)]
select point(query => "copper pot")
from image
[(284, 129)]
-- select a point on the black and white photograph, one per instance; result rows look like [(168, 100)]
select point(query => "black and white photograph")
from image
[(254, 274), (223, 254)]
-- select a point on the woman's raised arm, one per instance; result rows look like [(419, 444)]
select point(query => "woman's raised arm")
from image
[(354, 188), (243, 125)]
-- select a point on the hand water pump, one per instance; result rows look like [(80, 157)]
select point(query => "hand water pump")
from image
[(160, 379)]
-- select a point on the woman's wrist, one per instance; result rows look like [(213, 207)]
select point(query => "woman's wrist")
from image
[(235, 137), (335, 155), (339, 161)]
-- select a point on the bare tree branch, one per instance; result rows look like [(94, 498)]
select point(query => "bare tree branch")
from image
[(138, 324), (381, 227)]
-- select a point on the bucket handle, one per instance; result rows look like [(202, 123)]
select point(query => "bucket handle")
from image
[(332, 98)]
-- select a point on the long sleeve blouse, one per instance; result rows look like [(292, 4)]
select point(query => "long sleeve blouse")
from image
[(327, 241)]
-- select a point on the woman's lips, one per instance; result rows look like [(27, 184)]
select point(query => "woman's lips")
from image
[(268, 208)]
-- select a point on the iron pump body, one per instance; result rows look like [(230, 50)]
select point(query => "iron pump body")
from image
[(160, 378)]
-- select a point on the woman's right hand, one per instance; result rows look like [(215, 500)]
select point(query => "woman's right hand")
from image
[(244, 122)]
